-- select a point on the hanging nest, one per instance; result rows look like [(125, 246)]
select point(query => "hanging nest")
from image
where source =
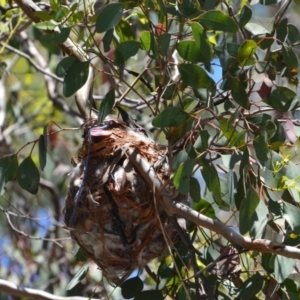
[(111, 211)]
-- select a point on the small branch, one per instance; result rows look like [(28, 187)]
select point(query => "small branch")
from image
[(10, 288), (174, 208)]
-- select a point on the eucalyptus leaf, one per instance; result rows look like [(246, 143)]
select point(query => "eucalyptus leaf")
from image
[(28, 176), (283, 267), (218, 20), (126, 50), (106, 106), (8, 170), (171, 116), (78, 277), (109, 16)]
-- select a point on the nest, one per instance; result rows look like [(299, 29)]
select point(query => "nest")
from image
[(111, 211)]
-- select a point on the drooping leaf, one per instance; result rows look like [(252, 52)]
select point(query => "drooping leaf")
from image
[(107, 39), (163, 43), (126, 50), (171, 116), (217, 20), (28, 176), (76, 77), (261, 148), (78, 277), (106, 106), (109, 16), (195, 191), (132, 287), (282, 30), (289, 57), (8, 170), (283, 267), (182, 176), (291, 215), (245, 16), (250, 287), (247, 210), (202, 41), (42, 151), (239, 93), (212, 180), (259, 221)]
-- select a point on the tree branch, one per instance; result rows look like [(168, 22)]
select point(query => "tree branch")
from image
[(175, 208), (15, 290)]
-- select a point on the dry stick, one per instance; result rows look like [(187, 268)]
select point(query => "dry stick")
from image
[(20, 291), (173, 208)]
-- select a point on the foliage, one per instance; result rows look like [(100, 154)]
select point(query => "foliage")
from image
[(234, 135)]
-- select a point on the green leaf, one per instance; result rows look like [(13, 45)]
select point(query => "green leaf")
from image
[(234, 137), (109, 16), (46, 25), (131, 287), (202, 42), (76, 77), (283, 267), (78, 277), (42, 151), (199, 78), (195, 191), (261, 148), (106, 106), (107, 39), (163, 42), (43, 15), (182, 176), (64, 65), (282, 30), (247, 210), (126, 50), (190, 51), (28, 176), (245, 16), (246, 52), (239, 93), (291, 214), (150, 295), (201, 144), (170, 117), (80, 255), (259, 221), (212, 180), (145, 40), (61, 37), (8, 170), (251, 287), (217, 20), (124, 31), (289, 57)]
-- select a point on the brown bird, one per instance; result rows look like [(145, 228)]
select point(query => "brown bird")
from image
[(112, 212)]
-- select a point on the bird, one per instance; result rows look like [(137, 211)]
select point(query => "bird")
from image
[(112, 213)]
